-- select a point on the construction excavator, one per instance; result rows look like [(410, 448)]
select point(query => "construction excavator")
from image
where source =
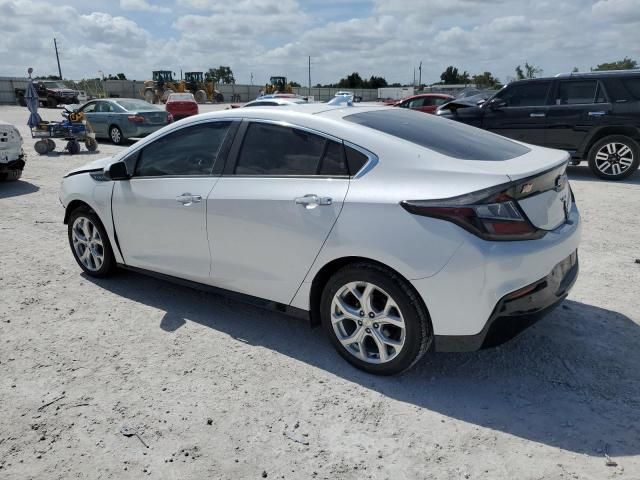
[(278, 85), (202, 91), (160, 87)]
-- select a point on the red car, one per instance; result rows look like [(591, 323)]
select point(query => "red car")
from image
[(425, 102), (182, 105)]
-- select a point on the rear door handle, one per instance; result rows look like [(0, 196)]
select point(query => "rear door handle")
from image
[(312, 201), (187, 199), (597, 114), (537, 115)]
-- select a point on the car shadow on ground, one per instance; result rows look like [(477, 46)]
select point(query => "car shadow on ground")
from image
[(572, 381), (16, 188), (583, 172)]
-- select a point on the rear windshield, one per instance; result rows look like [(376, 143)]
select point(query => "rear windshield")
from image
[(135, 105), (443, 136), (178, 97)]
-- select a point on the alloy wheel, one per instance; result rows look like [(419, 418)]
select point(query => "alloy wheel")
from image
[(87, 243), (368, 322), (115, 135), (614, 158)]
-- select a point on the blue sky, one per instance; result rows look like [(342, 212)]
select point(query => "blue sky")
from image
[(275, 37)]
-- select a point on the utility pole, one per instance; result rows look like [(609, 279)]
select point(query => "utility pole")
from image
[(414, 76), (55, 45), (309, 75), (420, 76), (251, 73)]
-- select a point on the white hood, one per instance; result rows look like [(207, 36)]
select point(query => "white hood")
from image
[(98, 164)]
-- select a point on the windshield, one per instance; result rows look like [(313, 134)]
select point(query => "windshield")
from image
[(136, 105), (55, 85), (440, 135)]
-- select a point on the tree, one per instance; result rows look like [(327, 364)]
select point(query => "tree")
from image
[(351, 81), (485, 80), (625, 64), (294, 84), (222, 74), (119, 76), (375, 82), (451, 76), (530, 71)]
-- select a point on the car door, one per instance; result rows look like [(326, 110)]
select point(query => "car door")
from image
[(270, 213), (160, 212), (98, 118), (519, 111), (91, 115), (577, 107)]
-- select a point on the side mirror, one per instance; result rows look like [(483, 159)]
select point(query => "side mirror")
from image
[(117, 171), (497, 104)]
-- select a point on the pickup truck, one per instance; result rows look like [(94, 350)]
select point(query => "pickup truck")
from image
[(51, 93)]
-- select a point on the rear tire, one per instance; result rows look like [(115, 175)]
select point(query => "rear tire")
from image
[(614, 157), (375, 319), (51, 144), (201, 96), (22, 101), (91, 144), (115, 134), (52, 102), (11, 175), (89, 243)]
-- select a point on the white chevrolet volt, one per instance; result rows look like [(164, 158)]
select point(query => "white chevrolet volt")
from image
[(398, 232)]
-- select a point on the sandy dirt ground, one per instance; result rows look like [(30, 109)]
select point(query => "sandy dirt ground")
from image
[(218, 389)]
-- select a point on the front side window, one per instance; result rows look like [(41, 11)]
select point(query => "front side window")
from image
[(417, 103), (532, 94), (89, 108), (188, 151), (576, 92), (276, 150)]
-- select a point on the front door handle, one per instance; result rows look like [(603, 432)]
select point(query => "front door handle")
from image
[(187, 199), (537, 115), (597, 114), (312, 201)]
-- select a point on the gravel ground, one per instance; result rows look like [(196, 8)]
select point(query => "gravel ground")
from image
[(219, 389)]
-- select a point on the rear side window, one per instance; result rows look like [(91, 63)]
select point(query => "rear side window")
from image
[(355, 159), (532, 94), (188, 151), (633, 87), (275, 150), (333, 162), (577, 92), (438, 134)]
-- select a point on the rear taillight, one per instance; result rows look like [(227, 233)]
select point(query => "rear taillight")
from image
[(490, 214), (136, 118)]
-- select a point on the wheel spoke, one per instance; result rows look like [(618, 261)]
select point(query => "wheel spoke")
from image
[(367, 297), (604, 166), (623, 150), (356, 337), (626, 161), (383, 355), (602, 155), (616, 169), (379, 336), (347, 310), (611, 148)]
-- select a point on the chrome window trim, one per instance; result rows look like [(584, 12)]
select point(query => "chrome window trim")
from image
[(286, 124)]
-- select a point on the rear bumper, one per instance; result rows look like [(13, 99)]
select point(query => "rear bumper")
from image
[(142, 130), (516, 312), (13, 165)]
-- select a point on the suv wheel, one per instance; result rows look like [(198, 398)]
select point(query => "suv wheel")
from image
[(375, 319), (614, 157), (90, 244), (52, 102)]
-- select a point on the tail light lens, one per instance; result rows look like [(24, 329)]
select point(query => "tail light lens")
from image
[(490, 214), (136, 118)]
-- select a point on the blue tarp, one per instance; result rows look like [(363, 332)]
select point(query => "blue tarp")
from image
[(31, 96)]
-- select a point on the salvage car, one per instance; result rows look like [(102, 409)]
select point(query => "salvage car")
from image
[(424, 102), (119, 119), (12, 157), (399, 232), (595, 116), (182, 105)]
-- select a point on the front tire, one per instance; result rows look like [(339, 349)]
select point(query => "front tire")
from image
[(375, 319), (10, 175), (614, 157), (90, 244), (115, 134)]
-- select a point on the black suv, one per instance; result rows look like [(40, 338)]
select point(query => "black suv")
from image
[(594, 116)]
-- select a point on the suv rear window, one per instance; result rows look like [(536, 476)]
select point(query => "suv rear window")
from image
[(438, 134)]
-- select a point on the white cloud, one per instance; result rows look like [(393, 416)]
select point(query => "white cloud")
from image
[(269, 37), (142, 6)]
